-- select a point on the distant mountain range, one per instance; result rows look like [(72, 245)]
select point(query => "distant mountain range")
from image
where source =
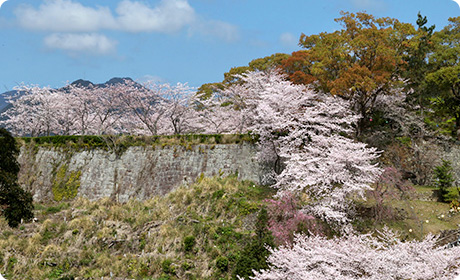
[(83, 83), (113, 81)]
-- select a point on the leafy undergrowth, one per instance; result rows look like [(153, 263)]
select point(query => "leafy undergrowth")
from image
[(125, 141), (195, 232), (415, 216)]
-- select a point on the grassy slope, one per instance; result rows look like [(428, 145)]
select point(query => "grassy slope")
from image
[(138, 240), (145, 240), (417, 216)]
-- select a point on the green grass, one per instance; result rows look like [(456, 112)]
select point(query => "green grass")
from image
[(418, 216)]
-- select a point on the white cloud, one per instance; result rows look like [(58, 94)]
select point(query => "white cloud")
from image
[(81, 43), (168, 16), (288, 39), (74, 27), (64, 16), (130, 16)]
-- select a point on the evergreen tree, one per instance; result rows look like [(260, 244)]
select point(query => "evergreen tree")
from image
[(15, 203), (254, 255), (443, 179)]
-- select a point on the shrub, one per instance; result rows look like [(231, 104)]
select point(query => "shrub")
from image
[(254, 254), (222, 264), (286, 218), (443, 179), (218, 194), (167, 267), (186, 266), (19, 205), (189, 242)]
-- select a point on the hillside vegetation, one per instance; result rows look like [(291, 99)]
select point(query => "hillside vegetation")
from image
[(195, 232)]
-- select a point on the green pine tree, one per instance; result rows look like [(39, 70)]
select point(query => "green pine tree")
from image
[(443, 179), (254, 254)]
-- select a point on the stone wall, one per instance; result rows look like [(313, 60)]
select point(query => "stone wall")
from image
[(140, 172)]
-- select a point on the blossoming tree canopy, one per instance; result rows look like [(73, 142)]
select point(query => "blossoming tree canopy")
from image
[(127, 108), (361, 257), (308, 130)]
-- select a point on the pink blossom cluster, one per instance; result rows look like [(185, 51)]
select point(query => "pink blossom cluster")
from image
[(361, 257), (286, 218)]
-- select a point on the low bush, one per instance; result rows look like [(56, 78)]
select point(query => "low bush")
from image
[(189, 242), (222, 264)]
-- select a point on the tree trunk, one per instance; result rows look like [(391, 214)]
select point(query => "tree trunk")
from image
[(361, 124)]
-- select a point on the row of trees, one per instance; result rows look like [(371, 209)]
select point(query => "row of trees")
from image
[(371, 57), (120, 108)]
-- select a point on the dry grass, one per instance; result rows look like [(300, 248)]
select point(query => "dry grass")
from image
[(94, 239)]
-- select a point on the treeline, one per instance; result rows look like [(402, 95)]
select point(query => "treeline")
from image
[(126, 108), (367, 59), (371, 57)]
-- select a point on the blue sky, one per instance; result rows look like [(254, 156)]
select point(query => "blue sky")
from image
[(52, 42)]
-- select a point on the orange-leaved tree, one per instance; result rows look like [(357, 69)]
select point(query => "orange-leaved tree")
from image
[(359, 62)]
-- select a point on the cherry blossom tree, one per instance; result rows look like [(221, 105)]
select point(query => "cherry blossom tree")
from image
[(107, 110), (402, 117), (66, 119), (309, 131), (390, 185), (81, 104), (217, 115), (286, 219), (157, 108), (361, 257), (180, 114), (33, 111)]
